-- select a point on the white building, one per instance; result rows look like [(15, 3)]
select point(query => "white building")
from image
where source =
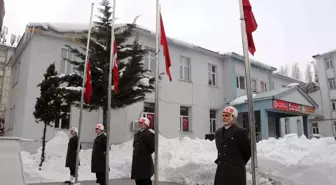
[(203, 83), (326, 70)]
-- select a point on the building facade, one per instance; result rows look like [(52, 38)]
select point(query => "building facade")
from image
[(6, 52), (325, 125), (2, 13), (203, 83)]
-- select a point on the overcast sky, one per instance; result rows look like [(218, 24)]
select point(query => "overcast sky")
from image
[(289, 30)]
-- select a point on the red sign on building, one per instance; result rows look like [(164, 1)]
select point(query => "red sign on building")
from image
[(185, 124), (151, 120), (280, 105), (308, 110), (294, 107)]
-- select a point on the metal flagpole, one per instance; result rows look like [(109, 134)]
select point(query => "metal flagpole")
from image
[(156, 118), (254, 165), (82, 94), (109, 98)]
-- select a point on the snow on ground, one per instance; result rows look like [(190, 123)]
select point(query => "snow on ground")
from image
[(191, 161)]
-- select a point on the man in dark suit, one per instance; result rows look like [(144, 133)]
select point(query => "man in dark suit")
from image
[(71, 156), (234, 150), (98, 160), (143, 148)]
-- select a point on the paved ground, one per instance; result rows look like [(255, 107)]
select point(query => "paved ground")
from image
[(112, 182)]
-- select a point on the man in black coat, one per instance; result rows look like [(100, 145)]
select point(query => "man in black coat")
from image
[(143, 148), (98, 160), (234, 150), (71, 156)]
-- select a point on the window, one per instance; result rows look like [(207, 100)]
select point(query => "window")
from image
[(287, 129), (263, 86), (334, 126), (331, 82), (212, 75), (150, 60), (329, 63), (64, 122), (254, 85), (149, 112), (315, 128), (212, 121), (65, 66), (299, 127), (184, 119), (333, 105), (240, 82), (185, 68)]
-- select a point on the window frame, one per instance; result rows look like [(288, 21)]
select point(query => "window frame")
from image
[(287, 126), (328, 63), (149, 56), (238, 80), (331, 83), (212, 75), (183, 67), (149, 112), (256, 86), (333, 104), (183, 117), (213, 120), (265, 86), (315, 129)]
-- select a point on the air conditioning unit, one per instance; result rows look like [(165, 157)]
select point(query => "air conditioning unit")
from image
[(135, 126)]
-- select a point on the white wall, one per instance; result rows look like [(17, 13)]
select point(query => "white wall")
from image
[(256, 74), (326, 127)]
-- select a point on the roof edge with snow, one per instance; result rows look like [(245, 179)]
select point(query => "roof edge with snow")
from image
[(60, 28), (274, 94), (287, 78), (324, 54)]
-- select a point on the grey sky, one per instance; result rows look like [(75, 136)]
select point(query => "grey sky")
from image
[(289, 30)]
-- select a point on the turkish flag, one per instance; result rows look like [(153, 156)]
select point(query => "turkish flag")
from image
[(88, 84), (164, 43), (115, 69), (250, 24)]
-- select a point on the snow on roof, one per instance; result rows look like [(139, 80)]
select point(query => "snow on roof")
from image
[(292, 85), (253, 62), (62, 27), (240, 100), (323, 54), (287, 77), (81, 27)]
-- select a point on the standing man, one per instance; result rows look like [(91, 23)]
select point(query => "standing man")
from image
[(71, 156), (234, 150), (143, 148), (98, 160)]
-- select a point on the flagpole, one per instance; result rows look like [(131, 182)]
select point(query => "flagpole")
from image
[(156, 118), (109, 97), (254, 165), (82, 94)]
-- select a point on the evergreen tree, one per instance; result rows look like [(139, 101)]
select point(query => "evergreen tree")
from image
[(133, 84), (50, 106)]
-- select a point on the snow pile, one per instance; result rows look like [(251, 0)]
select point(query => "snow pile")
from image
[(56, 147), (298, 159), (191, 161), (240, 100)]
